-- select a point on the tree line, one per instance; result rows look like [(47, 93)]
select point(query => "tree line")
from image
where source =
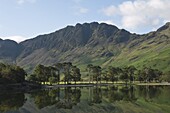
[(96, 74), (126, 74), (52, 73), (70, 73)]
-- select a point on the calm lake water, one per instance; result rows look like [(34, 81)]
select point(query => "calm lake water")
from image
[(105, 99)]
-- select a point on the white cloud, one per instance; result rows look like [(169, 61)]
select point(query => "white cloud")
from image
[(20, 2), (138, 14), (15, 38), (80, 10), (111, 10)]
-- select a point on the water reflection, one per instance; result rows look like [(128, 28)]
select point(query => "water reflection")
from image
[(112, 93), (65, 99), (70, 97), (45, 98), (149, 92), (11, 101), (95, 95)]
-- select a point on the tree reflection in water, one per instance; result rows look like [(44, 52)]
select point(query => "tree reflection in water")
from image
[(71, 98), (66, 98), (149, 92), (112, 94), (45, 98), (95, 95), (11, 101)]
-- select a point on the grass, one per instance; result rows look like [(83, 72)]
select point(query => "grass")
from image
[(109, 83), (154, 56)]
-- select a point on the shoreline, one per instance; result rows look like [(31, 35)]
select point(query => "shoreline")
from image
[(154, 84), (25, 87), (104, 84), (29, 87)]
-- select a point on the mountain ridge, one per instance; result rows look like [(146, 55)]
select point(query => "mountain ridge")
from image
[(95, 43)]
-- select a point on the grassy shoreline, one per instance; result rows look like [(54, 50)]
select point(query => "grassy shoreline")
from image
[(78, 84), (154, 84), (87, 84)]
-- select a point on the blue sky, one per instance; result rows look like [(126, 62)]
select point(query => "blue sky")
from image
[(23, 19)]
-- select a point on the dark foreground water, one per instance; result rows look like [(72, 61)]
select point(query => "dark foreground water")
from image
[(110, 99)]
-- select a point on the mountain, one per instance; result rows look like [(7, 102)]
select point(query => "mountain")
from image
[(99, 44), (9, 50)]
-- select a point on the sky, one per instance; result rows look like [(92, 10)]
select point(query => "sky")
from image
[(24, 19)]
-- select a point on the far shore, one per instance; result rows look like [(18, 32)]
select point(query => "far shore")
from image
[(105, 84), (30, 86), (154, 84)]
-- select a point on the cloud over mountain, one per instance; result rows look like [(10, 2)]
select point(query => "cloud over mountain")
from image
[(138, 14), (16, 38)]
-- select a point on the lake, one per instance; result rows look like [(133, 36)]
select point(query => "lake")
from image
[(97, 99)]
